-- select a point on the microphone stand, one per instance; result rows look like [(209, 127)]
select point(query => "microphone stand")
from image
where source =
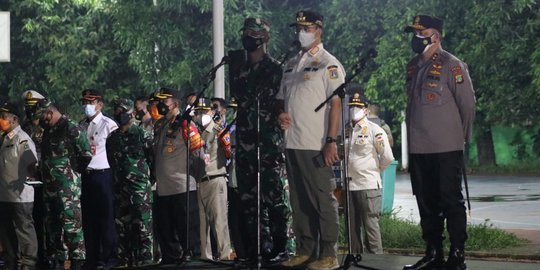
[(350, 259), (211, 75)]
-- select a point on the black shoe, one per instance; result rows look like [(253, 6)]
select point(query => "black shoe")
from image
[(456, 260), (357, 258), (280, 257), (75, 265), (433, 260)]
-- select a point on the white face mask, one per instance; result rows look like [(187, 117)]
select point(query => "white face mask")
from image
[(306, 39), (89, 110), (356, 114)]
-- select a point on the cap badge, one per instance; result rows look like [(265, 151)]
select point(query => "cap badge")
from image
[(29, 95)]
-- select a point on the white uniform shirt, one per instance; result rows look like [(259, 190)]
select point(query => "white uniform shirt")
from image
[(308, 79), (369, 155), (98, 131), (17, 152)]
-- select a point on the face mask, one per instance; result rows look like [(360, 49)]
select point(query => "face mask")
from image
[(154, 112), (162, 108), (89, 110), (357, 114), (30, 113), (419, 44), (306, 39), (251, 44), (122, 118), (140, 114), (4, 125)]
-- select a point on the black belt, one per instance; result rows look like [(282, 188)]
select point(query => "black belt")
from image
[(208, 178), (97, 170)]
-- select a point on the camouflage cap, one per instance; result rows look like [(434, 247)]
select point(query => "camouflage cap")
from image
[(125, 103), (256, 25)]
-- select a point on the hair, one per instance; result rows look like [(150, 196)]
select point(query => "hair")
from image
[(222, 102), (374, 108), (141, 99)]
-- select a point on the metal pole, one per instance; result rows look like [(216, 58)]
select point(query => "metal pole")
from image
[(404, 144), (218, 44)]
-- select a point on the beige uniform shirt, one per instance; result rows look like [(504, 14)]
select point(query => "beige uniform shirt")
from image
[(214, 156), (308, 79), (369, 155), (17, 153)]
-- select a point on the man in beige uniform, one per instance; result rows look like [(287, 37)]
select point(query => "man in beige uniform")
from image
[(440, 114), (308, 79), (369, 154), (212, 187), (17, 161)]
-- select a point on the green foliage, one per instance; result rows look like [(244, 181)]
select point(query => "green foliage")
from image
[(486, 237), (129, 47)]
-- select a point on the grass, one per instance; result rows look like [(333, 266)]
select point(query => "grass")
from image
[(524, 167), (398, 233)]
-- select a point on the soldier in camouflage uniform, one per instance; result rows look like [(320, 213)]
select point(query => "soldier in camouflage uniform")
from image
[(260, 78), (65, 152), (128, 148)]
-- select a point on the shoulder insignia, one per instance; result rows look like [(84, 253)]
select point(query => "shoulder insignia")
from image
[(379, 137), (434, 56), (314, 51), (333, 72), (458, 74)]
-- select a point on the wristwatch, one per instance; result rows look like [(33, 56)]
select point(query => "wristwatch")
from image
[(330, 140)]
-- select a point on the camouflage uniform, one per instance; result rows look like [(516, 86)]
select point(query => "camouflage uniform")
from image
[(65, 149), (133, 193), (263, 79)]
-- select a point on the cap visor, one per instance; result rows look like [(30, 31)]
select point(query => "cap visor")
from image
[(411, 28)]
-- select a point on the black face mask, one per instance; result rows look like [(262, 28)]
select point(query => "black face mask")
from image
[(30, 113), (419, 44), (250, 43), (44, 124), (139, 114), (162, 108), (122, 118)]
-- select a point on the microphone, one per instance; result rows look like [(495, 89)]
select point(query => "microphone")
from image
[(225, 60), (217, 116)]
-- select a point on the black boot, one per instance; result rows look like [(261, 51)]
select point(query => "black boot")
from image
[(433, 260), (456, 260)]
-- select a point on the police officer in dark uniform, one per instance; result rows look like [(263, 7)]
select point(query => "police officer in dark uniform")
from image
[(440, 114)]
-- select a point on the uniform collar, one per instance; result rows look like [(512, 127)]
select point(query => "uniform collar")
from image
[(316, 50), (97, 118), (14, 132)]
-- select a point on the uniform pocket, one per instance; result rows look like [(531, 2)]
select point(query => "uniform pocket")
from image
[(432, 96)]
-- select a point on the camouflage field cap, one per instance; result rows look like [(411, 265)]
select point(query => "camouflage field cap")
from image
[(125, 103)]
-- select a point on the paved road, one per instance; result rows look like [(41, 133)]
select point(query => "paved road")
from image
[(507, 202)]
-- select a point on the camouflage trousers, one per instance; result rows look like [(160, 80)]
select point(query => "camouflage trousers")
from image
[(134, 226), (63, 221), (275, 210)]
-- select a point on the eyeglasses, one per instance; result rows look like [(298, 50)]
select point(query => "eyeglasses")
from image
[(305, 28)]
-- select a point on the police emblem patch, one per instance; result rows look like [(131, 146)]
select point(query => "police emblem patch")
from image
[(333, 72), (458, 74)]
